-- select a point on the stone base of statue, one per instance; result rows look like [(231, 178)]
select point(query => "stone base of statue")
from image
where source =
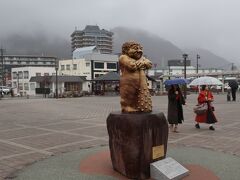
[(135, 141)]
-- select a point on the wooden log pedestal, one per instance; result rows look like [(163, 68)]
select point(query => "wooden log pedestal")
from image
[(135, 141)]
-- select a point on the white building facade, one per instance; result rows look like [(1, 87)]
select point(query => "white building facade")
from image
[(90, 65), (22, 75)]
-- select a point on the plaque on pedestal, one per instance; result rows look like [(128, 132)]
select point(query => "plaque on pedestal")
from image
[(167, 169)]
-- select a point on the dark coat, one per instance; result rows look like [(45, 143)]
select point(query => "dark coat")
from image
[(233, 84), (175, 110)]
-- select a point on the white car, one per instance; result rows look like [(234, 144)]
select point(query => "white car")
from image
[(5, 89)]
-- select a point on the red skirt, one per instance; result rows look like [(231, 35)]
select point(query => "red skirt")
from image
[(208, 117)]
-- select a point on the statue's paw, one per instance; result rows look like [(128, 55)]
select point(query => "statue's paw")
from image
[(129, 109)]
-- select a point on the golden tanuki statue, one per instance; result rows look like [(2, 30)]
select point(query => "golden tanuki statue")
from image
[(135, 96)]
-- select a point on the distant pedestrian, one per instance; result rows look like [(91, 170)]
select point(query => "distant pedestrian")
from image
[(175, 110), (205, 97), (228, 96), (12, 92), (234, 86)]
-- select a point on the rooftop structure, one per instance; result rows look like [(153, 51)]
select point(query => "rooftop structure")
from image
[(80, 52)]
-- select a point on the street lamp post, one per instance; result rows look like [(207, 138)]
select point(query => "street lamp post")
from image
[(17, 83), (169, 69), (2, 61), (185, 56), (56, 68), (198, 57)]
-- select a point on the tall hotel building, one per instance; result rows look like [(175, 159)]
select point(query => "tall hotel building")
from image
[(93, 36)]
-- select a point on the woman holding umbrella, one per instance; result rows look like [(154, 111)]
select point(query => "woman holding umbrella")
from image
[(175, 110), (205, 97)]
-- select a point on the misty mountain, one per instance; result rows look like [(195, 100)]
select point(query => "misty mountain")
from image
[(37, 44), (155, 48), (208, 59), (160, 51)]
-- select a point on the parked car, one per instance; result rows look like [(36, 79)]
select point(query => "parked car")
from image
[(5, 90)]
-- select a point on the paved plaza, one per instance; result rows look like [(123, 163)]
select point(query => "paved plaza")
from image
[(34, 129)]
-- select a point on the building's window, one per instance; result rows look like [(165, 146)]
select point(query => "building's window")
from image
[(99, 65), (27, 62), (46, 74), (111, 66), (32, 86), (35, 62), (68, 67), (62, 67), (87, 64), (25, 74), (20, 86), (44, 62), (74, 66), (19, 62), (38, 74), (14, 84), (14, 75), (20, 74), (26, 87), (97, 75)]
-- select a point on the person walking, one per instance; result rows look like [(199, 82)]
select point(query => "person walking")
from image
[(12, 92), (175, 110), (234, 86), (205, 96)]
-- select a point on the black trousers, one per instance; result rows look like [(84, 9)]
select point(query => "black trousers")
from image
[(233, 94)]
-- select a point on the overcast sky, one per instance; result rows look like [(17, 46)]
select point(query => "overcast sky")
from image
[(208, 24)]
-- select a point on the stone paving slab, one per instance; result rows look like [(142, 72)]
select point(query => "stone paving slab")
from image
[(50, 140), (97, 131), (44, 127), (18, 133), (67, 126), (7, 149)]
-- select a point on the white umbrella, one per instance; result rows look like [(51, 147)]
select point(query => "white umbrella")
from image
[(206, 80)]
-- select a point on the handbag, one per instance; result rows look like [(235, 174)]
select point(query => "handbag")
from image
[(200, 108)]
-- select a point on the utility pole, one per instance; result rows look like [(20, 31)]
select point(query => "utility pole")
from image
[(185, 56), (232, 67), (198, 57), (56, 68), (2, 61)]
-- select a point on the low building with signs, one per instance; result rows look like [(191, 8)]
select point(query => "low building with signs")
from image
[(21, 78), (67, 85)]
